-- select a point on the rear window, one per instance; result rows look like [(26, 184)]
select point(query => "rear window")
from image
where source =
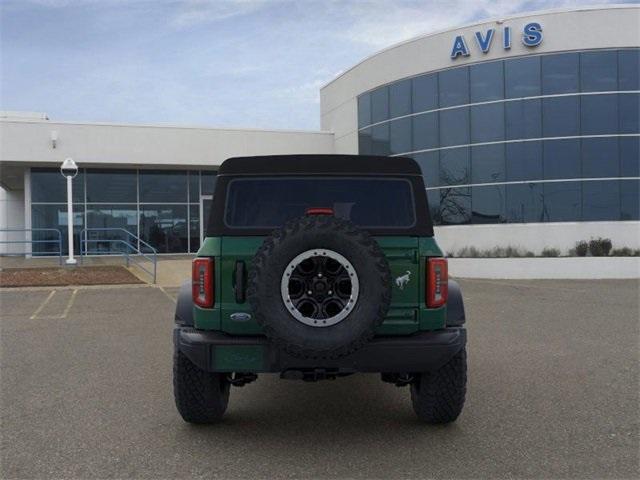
[(367, 202)]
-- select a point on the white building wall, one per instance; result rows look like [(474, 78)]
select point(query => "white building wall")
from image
[(29, 141)]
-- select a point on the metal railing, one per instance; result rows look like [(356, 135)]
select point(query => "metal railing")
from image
[(132, 246), (31, 241)]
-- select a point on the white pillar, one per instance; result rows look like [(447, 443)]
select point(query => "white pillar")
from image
[(70, 260)]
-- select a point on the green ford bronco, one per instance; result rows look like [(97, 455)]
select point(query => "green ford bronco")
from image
[(316, 267)]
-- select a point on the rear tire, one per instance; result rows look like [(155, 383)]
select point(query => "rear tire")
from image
[(201, 397), (438, 397)]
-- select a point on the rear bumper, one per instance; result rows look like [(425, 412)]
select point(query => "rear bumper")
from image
[(420, 352)]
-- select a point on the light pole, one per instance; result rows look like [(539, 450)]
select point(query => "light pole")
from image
[(69, 170)]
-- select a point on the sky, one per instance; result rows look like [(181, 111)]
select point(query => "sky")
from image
[(229, 63)]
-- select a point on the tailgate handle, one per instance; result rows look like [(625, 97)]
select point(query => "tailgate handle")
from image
[(240, 280)]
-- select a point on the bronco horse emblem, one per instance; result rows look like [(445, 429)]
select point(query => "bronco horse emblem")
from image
[(403, 280)]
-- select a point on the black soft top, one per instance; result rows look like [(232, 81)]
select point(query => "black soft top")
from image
[(321, 165)]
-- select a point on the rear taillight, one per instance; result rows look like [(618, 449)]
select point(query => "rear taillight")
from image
[(202, 282), (437, 282)]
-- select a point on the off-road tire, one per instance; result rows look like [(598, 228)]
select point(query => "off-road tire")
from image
[(319, 232), (201, 397), (438, 397)]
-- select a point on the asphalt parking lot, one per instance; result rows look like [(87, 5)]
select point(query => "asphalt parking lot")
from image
[(553, 392)]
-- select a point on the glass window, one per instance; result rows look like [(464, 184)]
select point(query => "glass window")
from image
[(629, 112), (600, 157), (55, 216), (109, 186), (208, 179), (455, 168), (365, 146), (400, 136), (425, 131), (523, 119), (599, 71), (364, 110), (454, 87), (599, 114), (522, 77), (425, 92), (560, 73), (163, 186), (455, 206), (561, 159), (48, 185), (165, 227), (380, 139), (487, 164), (194, 186), (113, 217), (400, 98), (562, 201), (629, 200), (487, 81), (433, 198), (523, 161), (380, 105), (524, 203), (560, 116), (270, 202), (430, 164), (487, 123), (629, 156), (194, 227), (488, 204), (454, 127), (601, 200), (629, 69)]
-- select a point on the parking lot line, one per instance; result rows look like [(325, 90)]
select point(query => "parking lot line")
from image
[(167, 294), (69, 304), (42, 305)]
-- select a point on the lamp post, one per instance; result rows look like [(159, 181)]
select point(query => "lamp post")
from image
[(69, 170)]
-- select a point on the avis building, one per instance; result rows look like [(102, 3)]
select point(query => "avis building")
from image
[(526, 129)]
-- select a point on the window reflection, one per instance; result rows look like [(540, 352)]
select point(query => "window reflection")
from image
[(488, 204), (453, 87), (109, 185), (601, 200), (599, 114), (524, 203), (163, 186), (400, 136), (562, 201), (114, 218), (364, 110), (560, 73), (455, 206), (380, 139), (629, 199), (380, 105), (48, 185), (487, 81), (400, 98), (522, 77), (55, 216), (599, 71), (455, 167), (165, 227), (424, 93), (425, 131)]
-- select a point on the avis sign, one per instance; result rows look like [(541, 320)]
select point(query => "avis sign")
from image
[(531, 37)]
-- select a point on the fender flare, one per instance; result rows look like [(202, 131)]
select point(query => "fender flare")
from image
[(184, 306), (455, 305)]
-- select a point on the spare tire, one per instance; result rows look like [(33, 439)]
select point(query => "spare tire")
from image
[(319, 286)]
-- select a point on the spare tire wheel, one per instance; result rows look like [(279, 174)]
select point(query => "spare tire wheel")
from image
[(319, 286)]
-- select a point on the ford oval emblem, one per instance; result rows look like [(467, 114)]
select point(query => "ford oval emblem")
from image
[(240, 317)]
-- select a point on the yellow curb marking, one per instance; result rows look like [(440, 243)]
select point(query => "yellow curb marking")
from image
[(46, 300)]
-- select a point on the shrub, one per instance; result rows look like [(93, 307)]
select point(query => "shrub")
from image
[(581, 248), (550, 252), (600, 247), (625, 252)]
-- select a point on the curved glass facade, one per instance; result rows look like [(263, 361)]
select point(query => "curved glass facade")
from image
[(544, 138)]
